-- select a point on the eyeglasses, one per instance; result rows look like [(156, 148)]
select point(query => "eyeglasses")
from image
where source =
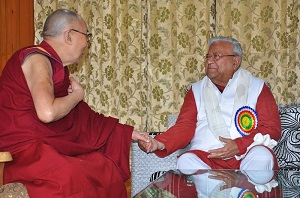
[(217, 57), (88, 35)]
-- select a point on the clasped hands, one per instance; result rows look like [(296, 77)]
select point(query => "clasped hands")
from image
[(146, 142)]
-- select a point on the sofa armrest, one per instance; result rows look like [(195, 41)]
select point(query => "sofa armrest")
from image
[(143, 165)]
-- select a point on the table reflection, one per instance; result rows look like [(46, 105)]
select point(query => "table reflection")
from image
[(214, 184)]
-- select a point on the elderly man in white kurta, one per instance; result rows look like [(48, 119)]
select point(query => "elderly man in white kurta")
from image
[(229, 118)]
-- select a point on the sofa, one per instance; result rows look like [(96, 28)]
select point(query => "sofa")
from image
[(147, 167)]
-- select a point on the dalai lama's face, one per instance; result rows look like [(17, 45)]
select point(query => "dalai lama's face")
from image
[(221, 62), (80, 35)]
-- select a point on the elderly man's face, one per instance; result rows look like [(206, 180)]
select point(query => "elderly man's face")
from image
[(79, 36), (221, 63)]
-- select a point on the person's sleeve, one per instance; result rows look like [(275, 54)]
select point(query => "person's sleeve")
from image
[(179, 135), (268, 120)]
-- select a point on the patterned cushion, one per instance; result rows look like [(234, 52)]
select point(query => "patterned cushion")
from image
[(290, 182), (288, 148), (290, 116)]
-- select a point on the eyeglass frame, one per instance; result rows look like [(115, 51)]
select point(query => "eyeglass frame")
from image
[(218, 56), (88, 35)]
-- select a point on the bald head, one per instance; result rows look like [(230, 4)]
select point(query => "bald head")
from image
[(57, 21)]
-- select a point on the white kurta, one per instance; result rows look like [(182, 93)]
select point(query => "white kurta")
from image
[(204, 139)]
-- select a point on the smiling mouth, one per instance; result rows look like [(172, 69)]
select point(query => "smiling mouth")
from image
[(211, 67)]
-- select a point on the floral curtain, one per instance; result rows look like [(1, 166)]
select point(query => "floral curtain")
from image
[(113, 70), (177, 36), (270, 35), (144, 52)]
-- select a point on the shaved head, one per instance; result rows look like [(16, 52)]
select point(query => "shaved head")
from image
[(56, 22)]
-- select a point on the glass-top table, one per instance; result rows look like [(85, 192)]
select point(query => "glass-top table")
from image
[(224, 184)]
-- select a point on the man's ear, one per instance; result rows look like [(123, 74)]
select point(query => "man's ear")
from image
[(67, 37), (237, 62)]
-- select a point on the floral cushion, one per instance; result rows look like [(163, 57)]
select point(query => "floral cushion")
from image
[(288, 148)]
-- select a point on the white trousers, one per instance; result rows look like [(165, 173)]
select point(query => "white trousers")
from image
[(257, 166), (210, 187), (258, 158)]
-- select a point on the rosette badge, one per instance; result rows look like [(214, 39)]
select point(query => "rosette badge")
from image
[(246, 193), (245, 120)]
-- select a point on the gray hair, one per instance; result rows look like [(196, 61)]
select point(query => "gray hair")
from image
[(237, 49), (57, 21)]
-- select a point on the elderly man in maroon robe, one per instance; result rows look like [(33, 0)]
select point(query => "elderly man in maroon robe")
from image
[(61, 148)]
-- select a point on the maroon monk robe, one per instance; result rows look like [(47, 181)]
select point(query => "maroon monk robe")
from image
[(84, 154)]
